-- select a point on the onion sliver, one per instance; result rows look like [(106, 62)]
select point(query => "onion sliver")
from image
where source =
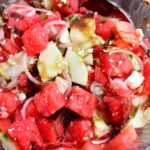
[(56, 22), (117, 82), (62, 30), (53, 30), (69, 82), (24, 10), (15, 70), (23, 110), (129, 53), (100, 141), (22, 6), (97, 89), (13, 83), (31, 78)]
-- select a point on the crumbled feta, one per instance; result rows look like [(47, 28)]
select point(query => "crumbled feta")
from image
[(61, 84), (134, 80), (65, 37), (22, 96)]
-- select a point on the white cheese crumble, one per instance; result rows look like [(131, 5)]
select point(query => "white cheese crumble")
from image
[(134, 80)]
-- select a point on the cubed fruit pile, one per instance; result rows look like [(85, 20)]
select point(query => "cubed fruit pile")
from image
[(70, 78)]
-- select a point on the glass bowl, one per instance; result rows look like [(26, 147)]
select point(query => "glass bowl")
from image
[(140, 14)]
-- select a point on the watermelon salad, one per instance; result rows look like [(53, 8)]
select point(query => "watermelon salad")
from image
[(70, 78)]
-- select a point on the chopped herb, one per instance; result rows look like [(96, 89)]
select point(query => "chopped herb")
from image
[(74, 17)]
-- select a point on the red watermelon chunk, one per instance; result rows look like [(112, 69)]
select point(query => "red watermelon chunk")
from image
[(126, 32), (63, 148), (47, 130), (100, 76), (146, 83), (49, 100), (59, 145), (79, 130), (31, 111), (116, 109), (21, 25), (9, 46), (5, 124), (3, 55), (51, 130), (35, 39), (91, 146), (68, 8), (21, 17), (26, 133), (104, 30), (8, 104), (81, 102), (117, 64), (124, 140)]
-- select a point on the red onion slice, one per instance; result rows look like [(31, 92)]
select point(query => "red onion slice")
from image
[(23, 110), (69, 82), (56, 22), (15, 70), (100, 141), (25, 66), (53, 31), (118, 83), (12, 84), (24, 10), (97, 89), (62, 30)]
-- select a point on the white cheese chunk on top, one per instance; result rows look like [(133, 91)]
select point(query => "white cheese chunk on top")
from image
[(134, 80)]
